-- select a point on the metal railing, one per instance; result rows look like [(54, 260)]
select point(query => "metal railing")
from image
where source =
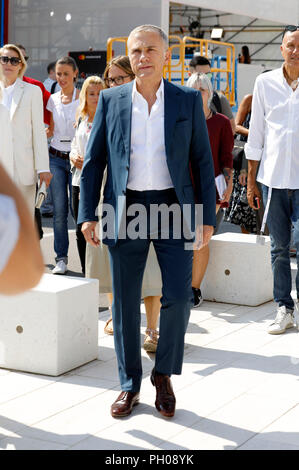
[(177, 69)]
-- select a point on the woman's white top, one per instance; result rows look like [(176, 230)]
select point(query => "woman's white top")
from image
[(64, 116), (7, 93), (78, 147), (9, 229)]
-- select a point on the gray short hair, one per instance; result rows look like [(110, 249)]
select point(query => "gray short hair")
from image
[(200, 80), (153, 29)]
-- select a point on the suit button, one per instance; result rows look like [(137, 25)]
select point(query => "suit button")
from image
[(127, 167), (124, 192)]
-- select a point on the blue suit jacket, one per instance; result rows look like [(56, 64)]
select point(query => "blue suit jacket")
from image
[(186, 144)]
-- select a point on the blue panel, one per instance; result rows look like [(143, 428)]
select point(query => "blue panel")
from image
[(2, 24)]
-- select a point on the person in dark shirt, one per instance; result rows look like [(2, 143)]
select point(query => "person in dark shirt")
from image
[(222, 142)]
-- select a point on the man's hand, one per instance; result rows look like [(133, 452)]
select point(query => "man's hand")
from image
[(77, 161), (252, 193), (252, 189), (45, 176), (207, 232), (89, 232)]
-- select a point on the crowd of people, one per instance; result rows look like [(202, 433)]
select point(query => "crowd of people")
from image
[(132, 138)]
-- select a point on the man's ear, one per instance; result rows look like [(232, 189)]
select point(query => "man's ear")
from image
[(167, 55)]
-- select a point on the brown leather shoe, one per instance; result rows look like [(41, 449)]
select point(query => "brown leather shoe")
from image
[(124, 403), (165, 399)]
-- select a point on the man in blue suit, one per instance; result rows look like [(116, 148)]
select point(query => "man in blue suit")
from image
[(150, 135)]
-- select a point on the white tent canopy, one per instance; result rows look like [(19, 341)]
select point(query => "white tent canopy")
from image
[(286, 12)]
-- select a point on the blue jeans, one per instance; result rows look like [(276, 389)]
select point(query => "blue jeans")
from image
[(60, 183), (282, 217)]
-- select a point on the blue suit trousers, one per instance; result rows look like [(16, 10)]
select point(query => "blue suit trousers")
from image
[(128, 259)]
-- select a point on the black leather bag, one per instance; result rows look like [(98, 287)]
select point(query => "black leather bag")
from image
[(238, 154)]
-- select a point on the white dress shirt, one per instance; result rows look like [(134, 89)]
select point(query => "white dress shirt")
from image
[(148, 165), (48, 85), (274, 131)]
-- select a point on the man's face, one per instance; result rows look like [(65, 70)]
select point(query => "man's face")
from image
[(147, 54), (52, 74), (290, 49), (23, 52)]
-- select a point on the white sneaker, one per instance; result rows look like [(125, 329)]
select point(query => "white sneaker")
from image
[(284, 319), (60, 268)]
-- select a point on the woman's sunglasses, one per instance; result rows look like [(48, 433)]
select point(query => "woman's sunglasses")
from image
[(291, 28), (13, 60)]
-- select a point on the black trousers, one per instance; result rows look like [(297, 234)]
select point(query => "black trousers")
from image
[(81, 243)]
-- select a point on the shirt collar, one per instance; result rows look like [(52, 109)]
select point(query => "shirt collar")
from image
[(284, 80), (282, 77), (159, 93)]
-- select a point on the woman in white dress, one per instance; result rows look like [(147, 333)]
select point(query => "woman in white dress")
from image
[(118, 72)]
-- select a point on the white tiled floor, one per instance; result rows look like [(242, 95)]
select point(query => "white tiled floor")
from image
[(239, 390)]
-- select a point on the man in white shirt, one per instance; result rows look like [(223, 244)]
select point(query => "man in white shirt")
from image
[(51, 84), (150, 134), (274, 143)]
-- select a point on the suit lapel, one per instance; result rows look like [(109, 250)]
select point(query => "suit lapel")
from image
[(125, 114), (171, 108), (16, 96)]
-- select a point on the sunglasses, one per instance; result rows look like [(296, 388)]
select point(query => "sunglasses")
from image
[(13, 60), (291, 28)]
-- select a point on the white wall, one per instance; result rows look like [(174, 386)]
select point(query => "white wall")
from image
[(247, 74), (47, 38)]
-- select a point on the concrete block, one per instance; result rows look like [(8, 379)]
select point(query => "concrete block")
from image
[(51, 329), (239, 270)]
